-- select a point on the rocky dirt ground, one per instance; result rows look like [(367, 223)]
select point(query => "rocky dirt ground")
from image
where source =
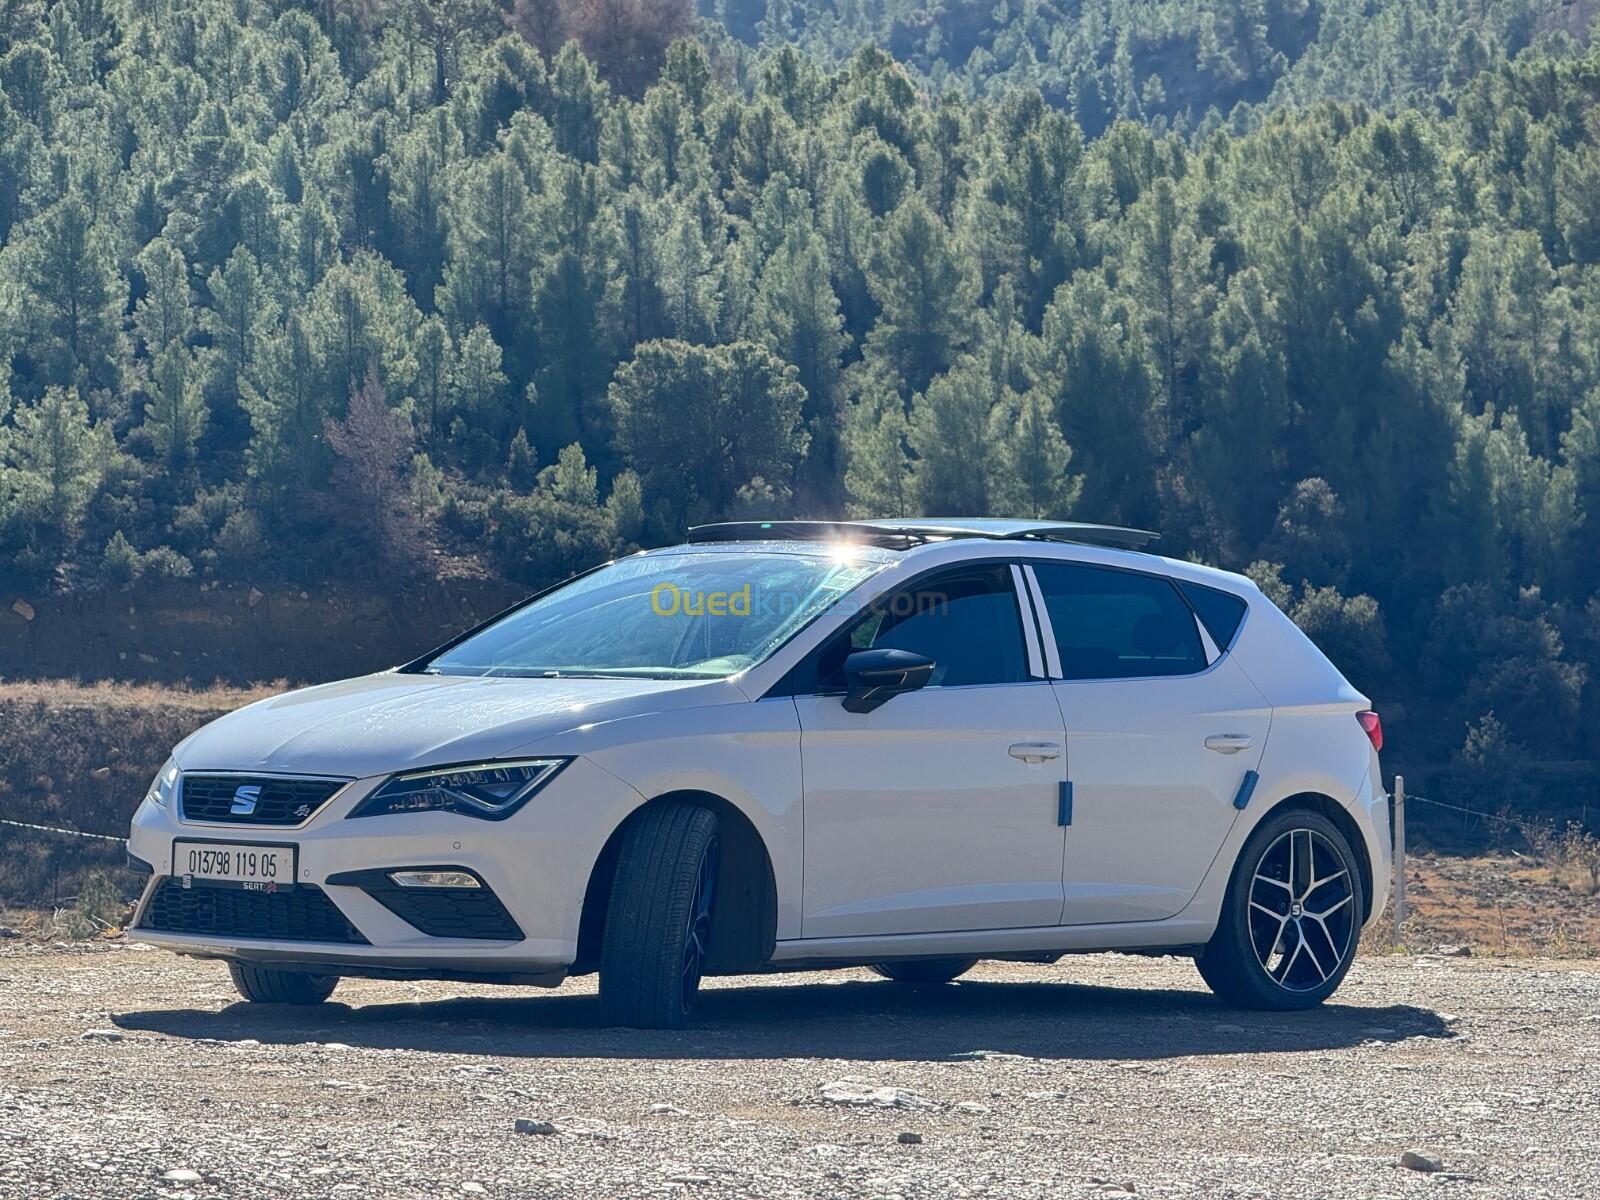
[(1503, 904), (125, 1072)]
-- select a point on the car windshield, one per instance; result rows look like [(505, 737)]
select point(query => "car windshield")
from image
[(691, 613)]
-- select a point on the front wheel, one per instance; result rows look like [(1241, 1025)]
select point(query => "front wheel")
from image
[(658, 921), (1291, 918), (924, 970), (264, 985)]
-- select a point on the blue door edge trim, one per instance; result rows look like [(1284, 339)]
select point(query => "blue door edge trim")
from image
[(1247, 787), (1064, 804)]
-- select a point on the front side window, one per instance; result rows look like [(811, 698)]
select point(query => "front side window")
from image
[(1113, 624), (966, 620), (690, 613)]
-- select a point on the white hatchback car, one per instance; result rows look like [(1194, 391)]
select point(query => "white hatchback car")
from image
[(905, 744)]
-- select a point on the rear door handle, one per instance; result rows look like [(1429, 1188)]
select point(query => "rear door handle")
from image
[(1228, 743), (1034, 752)]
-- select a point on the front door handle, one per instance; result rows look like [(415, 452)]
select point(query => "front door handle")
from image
[(1228, 743), (1034, 752)]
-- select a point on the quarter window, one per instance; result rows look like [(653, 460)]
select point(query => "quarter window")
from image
[(1220, 612), (1112, 624)]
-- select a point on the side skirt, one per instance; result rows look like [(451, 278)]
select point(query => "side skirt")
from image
[(1178, 934)]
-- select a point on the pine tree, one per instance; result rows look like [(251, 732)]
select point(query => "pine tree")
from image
[(797, 314), (878, 476), (242, 310), (698, 423), (1030, 478), (176, 414), (57, 460), (949, 434), (72, 293), (927, 289), (165, 314)]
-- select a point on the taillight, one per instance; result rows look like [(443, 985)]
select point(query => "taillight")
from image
[(1371, 722)]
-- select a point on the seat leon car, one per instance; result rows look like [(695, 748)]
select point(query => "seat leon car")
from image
[(908, 745)]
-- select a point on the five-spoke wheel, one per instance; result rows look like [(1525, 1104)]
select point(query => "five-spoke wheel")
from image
[(1291, 918)]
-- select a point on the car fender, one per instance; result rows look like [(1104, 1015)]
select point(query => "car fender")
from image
[(747, 754)]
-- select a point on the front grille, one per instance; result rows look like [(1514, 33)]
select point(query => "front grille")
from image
[(301, 914), (253, 800), (451, 912)]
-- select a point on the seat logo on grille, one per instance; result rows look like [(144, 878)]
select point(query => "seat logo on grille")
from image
[(244, 800)]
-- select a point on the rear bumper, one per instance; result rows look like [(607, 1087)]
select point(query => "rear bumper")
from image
[(1371, 807)]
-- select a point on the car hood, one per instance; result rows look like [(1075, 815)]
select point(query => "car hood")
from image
[(395, 722)]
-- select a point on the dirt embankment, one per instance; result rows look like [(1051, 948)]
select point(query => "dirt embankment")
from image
[(235, 634), (130, 1073), (82, 757)]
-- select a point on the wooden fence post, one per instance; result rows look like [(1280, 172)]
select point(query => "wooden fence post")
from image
[(1399, 854)]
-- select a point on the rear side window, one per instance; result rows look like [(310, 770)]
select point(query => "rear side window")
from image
[(1219, 612), (1112, 624)]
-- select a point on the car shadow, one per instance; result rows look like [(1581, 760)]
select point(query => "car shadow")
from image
[(840, 1020)]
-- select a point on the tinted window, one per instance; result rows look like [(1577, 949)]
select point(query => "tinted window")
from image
[(1118, 624), (966, 621), (1219, 612)]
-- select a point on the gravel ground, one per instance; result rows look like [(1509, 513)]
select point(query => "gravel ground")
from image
[(126, 1072)]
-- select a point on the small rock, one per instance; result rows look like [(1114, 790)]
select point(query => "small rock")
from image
[(1425, 1163), (907, 1137), (667, 1110), (181, 1175), (992, 1056), (1453, 951), (855, 1092), (531, 1127), (972, 1108), (255, 597), (23, 609), (102, 1035), (6, 931), (100, 773), (474, 1189)]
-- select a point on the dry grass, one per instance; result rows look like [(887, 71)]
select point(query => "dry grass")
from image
[(80, 756), (1511, 905), (111, 694)]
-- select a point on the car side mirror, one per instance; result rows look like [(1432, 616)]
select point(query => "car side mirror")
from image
[(873, 677)]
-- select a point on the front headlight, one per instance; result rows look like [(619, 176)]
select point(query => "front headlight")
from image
[(165, 786), (490, 790)]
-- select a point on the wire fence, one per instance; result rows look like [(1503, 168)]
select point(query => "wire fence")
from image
[(100, 837)]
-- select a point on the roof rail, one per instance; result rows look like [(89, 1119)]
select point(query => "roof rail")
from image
[(903, 532)]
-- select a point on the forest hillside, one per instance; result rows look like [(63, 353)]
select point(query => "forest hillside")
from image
[(301, 293)]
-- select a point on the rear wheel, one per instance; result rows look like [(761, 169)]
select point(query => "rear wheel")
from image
[(658, 921), (1291, 918), (924, 970), (265, 985)]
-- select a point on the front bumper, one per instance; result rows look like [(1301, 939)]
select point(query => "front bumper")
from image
[(537, 863)]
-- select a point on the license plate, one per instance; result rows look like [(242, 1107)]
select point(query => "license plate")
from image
[(234, 864)]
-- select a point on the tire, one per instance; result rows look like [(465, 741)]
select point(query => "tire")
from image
[(658, 920), (924, 970), (1271, 951), (263, 985)]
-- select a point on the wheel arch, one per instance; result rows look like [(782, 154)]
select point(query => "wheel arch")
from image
[(1327, 806), (744, 932)]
